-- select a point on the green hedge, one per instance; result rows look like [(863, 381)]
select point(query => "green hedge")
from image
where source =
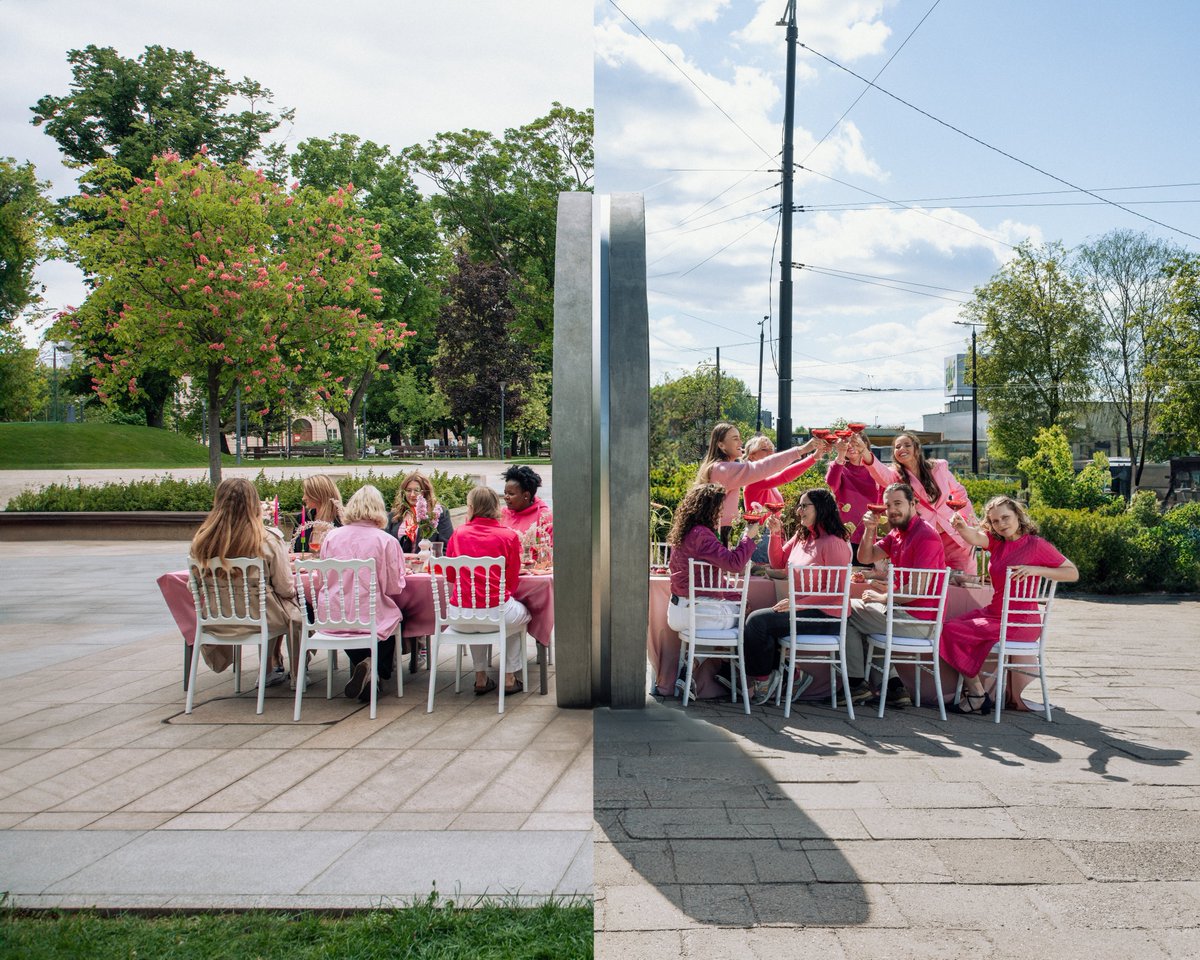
[(167, 493)]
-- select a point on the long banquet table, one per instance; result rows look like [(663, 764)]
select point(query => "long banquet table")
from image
[(536, 591), (662, 643)]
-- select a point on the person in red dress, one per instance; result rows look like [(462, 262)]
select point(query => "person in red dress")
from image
[(1011, 536), (853, 485)]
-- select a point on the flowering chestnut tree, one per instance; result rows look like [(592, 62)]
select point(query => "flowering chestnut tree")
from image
[(222, 276)]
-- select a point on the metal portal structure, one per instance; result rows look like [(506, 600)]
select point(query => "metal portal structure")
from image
[(601, 451)]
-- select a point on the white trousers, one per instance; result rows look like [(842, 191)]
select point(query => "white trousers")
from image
[(515, 615)]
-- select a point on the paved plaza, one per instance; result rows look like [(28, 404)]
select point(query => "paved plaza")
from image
[(110, 796), (721, 835)]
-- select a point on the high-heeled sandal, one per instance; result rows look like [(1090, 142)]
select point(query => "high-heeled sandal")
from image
[(986, 704)]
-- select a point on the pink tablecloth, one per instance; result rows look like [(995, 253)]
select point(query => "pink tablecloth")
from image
[(662, 643), (416, 603)]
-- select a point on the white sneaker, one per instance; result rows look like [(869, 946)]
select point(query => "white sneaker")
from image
[(276, 677), (803, 682), (764, 690)]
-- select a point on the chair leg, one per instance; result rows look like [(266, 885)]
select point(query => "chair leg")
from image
[(374, 673), (741, 679), (1001, 676), (263, 657), (687, 680), (433, 659), (791, 681), (191, 690), (846, 684), (937, 686), (237, 671), (1041, 665), (301, 677), (503, 663), (883, 682)]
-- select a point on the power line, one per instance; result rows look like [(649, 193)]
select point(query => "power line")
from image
[(887, 286), (863, 205), (994, 149), (913, 283), (1044, 193), (690, 80)]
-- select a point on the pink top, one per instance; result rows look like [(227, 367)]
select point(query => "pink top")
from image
[(522, 520), (853, 487), (1027, 549), (764, 491), (365, 541), (735, 474), (485, 537), (700, 543), (936, 514), (918, 547), (823, 551)]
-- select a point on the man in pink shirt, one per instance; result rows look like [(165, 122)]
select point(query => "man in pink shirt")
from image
[(910, 542)]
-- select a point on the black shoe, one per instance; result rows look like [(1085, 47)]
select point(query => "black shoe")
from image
[(360, 678), (897, 696)]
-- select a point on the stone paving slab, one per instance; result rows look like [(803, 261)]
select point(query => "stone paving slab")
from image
[(719, 835), (109, 797)]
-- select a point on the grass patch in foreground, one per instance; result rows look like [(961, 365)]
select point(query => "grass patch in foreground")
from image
[(430, 930)]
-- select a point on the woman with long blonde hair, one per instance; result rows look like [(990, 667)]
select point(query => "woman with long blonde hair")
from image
[(321, 512), (234, 528)]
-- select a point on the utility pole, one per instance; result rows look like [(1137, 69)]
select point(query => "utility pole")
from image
[(783, 431), (761, 334), (718, 383), (974, 397)]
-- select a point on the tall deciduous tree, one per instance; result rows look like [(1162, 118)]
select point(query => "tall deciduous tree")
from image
[(1175, 369), (477, 349), (23, 210), (684, 409), (1129, 292), (1035, 349), (221, 275), (23, 388)]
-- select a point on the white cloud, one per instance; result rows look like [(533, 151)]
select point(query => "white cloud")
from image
[(681, 16), (843, 29)]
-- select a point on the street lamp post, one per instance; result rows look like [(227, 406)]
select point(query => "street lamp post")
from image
[(503, 384), (974, 397)]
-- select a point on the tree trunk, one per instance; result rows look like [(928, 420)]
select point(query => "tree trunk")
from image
[(215, 437), (345, 421)]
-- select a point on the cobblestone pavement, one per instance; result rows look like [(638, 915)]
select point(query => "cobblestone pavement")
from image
[(109, 796), (721, 835)]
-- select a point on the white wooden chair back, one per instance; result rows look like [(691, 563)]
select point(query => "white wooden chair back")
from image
[(228, 593), (341, 592), (1026, 606), (708, 582), (660, 553), (464, 592), (817, 586), (915, 588)]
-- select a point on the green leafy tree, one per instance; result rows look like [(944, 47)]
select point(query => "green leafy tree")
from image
[(224, 277), (1051, 474), (23, 212), (1175, 369), (1035, 348), (23, 385), (1129, 294), (684, 409), (404, 406), (477, 350)]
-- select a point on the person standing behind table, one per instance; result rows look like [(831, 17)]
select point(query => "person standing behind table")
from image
[(322, 503), (403, 523), (523, 508), (765, 491), (910, 543), (721, 465), (234, 528), (483, 535), (820, 540), (932, 484), (693, 536), (363, 538), (1011, 536), (852, 483)]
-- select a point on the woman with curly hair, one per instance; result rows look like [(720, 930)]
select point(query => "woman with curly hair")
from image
[(693, 536), (523, 508), (933, 485), (821, 539), (1011, 536), (410, 518)]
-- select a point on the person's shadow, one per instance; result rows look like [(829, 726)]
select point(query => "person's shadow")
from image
[(695, 830)]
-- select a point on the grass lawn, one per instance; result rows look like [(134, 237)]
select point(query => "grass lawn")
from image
[(428, 931), (78, 446)]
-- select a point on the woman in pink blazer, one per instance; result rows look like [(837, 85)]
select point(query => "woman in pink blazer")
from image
[(932, 484)]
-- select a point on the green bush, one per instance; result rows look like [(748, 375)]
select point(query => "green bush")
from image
[(981, 490), (168, 493)]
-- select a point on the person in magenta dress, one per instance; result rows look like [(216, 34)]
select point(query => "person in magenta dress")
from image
[(722, 465), (523, 508), (934, 485), (1011, 536), (820, 540), (765, 492), (852, 483), (693, 536), (362, 537)]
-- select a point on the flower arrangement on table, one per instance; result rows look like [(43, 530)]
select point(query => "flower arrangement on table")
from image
[(537, 544), (419, 524), (309, 535)]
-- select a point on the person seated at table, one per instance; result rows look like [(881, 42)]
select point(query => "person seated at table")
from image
[(765, 492), (910, 542), (523, 508), (234, 528), (321, 513), (722, 466), (1011, 536), (412, 521), (362, 537), (821, 539), (852, 483), (693, 536), (933, 485), (483, 535)]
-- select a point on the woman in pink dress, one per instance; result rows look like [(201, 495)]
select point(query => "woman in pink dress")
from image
[(853, 485), (362, 537), (933, 485), (1011, 536), (721, 465)]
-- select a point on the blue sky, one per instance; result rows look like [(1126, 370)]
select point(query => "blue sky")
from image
[(1099, 94)]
